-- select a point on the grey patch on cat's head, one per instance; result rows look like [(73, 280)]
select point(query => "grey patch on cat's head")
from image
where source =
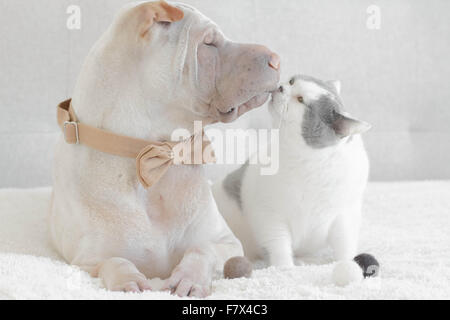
[(233, 183), (318, 120)]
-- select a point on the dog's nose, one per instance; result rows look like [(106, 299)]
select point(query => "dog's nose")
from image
[(271, 58), (281, 89), (274, 61)]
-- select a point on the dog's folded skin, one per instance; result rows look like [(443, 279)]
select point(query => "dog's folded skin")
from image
[(156, 69)]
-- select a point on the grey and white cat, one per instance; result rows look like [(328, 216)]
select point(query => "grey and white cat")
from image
[(315, 199)]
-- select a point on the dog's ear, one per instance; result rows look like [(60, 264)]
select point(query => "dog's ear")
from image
[(143, 16)]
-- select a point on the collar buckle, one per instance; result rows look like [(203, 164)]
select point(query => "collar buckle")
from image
[(75, 125)]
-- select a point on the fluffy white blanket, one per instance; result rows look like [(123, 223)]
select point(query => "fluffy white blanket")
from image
[(406, 226)]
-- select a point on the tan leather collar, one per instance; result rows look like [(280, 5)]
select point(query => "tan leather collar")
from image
[(153, 158)]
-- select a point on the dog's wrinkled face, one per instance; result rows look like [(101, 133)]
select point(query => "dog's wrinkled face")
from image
[(187, 61)]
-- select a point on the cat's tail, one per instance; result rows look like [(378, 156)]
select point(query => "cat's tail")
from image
[(362, 266)]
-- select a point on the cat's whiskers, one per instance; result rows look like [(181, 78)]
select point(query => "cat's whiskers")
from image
[(282, 115)]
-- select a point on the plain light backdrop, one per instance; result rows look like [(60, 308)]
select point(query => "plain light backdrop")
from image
[(396, 78)]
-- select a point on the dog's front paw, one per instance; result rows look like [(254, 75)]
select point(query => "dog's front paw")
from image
[(121, 275), (189, 282), (134, 284), (131, 283)]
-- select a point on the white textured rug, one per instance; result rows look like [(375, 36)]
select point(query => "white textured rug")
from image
[(406, 226)]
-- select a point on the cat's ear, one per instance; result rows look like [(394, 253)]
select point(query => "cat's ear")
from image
[(345, 126), (335, 84)]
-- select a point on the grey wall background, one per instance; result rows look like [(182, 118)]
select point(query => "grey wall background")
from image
[(397, 77)]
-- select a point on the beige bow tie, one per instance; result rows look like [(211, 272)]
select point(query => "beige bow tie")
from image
[(153, 158)]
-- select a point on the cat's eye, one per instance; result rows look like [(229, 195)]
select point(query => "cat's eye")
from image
[(292, 81), (300, 99)]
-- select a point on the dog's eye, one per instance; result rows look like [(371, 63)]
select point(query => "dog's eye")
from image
[(209, 40), (300, 99), (292, 81), (164, 24)]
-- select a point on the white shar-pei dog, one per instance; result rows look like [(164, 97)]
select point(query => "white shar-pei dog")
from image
[(157, 68)]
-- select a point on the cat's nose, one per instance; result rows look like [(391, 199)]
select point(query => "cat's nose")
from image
[(281, 89)]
